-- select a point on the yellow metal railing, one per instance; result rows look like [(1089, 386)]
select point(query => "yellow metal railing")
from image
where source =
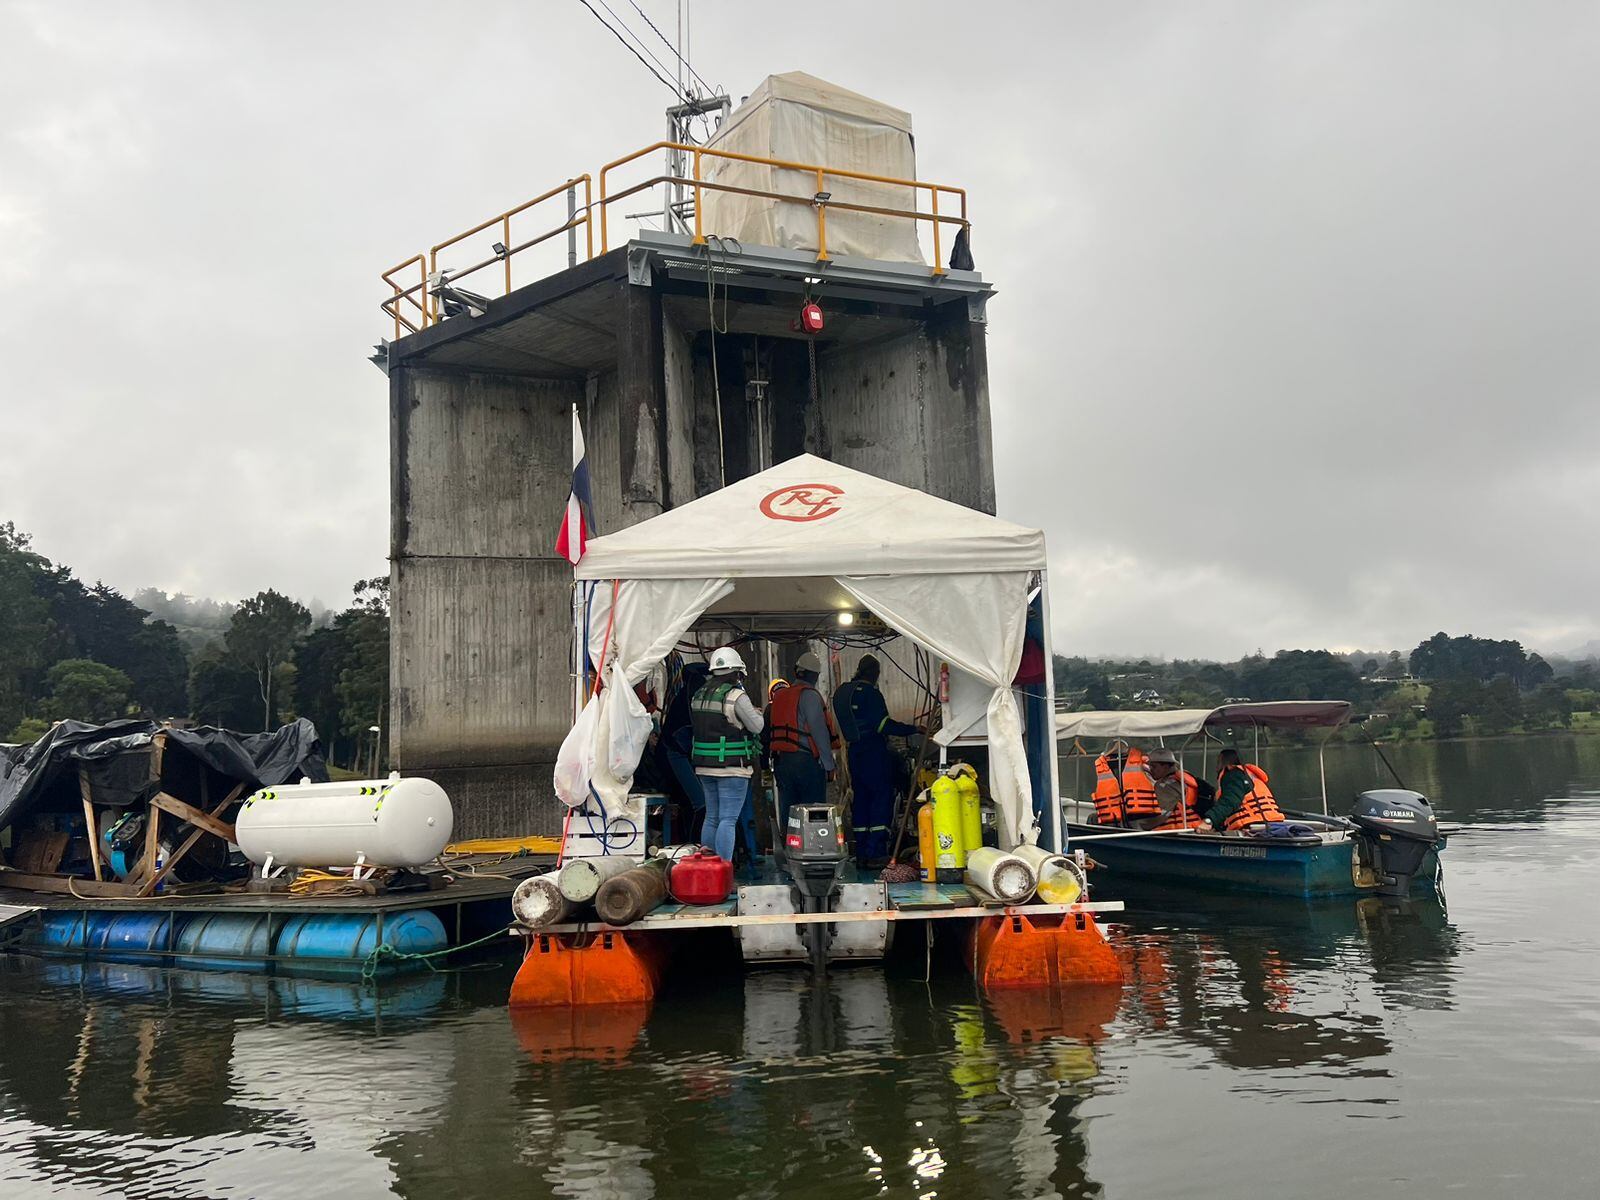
[(415, 306), (821, 200)]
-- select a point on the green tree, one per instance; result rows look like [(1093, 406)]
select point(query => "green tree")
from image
[(28, 731), (84, 690), (1500, 709), (262, 635), (24, 623), (1301, 675), (1549, 707), (221, 691), (1450, 702)]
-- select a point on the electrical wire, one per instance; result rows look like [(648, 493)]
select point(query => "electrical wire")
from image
[(639, 41), (665, 82), (670, 46)]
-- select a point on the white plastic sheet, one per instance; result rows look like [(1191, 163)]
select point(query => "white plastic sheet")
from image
[(603, 749), (978, 622), (798, 118)]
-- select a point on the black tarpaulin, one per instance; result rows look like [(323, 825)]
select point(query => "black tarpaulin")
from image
[(116, 758)]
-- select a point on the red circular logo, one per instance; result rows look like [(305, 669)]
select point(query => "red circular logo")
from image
[(802, 502)]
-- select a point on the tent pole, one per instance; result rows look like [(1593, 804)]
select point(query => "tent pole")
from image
[(1052, 764)]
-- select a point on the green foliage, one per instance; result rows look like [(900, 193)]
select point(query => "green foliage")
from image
[(24, 623), (1483, 659), (262, 636), (1450, 702), (344, 671), (28, 731), (1548, 708), (1301, 675), (84, 690), (1500, 709), (221, 691)]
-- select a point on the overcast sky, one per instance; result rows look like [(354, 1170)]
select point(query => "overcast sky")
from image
[(1297, 340)]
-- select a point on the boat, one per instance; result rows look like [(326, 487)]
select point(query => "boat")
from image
[(1387, 846)]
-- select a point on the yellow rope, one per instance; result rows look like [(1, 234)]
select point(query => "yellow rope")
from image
[(524, 845)]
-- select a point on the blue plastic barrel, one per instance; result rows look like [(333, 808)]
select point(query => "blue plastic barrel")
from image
[(225, 942), (336, 944), (128, 937), (59, 932)]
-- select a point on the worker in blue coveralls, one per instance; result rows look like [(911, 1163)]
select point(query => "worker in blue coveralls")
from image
[(864, 720)]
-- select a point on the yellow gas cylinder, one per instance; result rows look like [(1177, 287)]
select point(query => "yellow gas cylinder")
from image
[(927, 844), (952, 860), (971, 806)]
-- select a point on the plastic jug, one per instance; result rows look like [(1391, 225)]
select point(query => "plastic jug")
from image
[(702, 878)]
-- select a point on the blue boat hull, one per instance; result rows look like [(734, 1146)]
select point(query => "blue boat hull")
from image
[(1234, 864)]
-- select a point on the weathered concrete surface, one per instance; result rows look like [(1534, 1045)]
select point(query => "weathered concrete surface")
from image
[(480, 428)]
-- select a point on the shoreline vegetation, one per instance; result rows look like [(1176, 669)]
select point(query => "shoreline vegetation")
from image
[(69, 650)]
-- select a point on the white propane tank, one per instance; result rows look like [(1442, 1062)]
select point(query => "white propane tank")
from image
[(1003, 876), (580, 878), (389, 822)]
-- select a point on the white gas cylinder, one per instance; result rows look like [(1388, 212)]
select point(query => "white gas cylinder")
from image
[(391, 822), (1003, 876)]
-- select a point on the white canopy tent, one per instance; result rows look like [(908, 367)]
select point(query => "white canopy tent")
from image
[(810, 537)]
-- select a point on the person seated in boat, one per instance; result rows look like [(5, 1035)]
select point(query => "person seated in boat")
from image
[(1183, 798), (1124, 792), (1244, 796)]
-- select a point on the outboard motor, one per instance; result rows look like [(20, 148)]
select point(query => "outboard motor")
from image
[(814, 859), (1395, 830)]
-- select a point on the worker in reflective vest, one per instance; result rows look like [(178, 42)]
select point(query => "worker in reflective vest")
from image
[(1182, 797), (801, 740), (1243, 795), (866, 724), (725, 747)]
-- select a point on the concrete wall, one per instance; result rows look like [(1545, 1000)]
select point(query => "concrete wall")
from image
[(481, 466), (479, 650)]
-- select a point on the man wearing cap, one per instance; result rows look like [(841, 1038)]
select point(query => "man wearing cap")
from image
[(801, 739), (1182, 797)]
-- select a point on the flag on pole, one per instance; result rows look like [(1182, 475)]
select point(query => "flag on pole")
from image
[(578, 522)]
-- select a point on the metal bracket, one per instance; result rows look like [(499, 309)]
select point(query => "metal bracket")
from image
[(978, 307), (640, 273)]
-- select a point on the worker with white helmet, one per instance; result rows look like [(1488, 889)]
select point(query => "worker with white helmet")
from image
[(725, 748)]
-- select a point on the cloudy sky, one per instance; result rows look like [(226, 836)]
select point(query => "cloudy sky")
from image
[(1297, 340)]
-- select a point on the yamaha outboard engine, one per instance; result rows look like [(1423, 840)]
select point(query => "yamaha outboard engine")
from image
[(1396, 829)]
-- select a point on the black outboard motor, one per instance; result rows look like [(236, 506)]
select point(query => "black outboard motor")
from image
[(1396, 829)]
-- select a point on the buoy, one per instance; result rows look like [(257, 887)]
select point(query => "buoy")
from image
[(624, 898), (1003, 876)]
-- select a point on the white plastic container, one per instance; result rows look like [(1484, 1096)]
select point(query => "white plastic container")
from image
[(391, 822), (1003, 876)]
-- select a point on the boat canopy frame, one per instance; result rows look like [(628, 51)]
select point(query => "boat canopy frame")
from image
[(1184, 724)]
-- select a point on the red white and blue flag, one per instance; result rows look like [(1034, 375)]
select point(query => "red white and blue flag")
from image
[(578, 523)]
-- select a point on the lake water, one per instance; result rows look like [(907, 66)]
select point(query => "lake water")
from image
[(1259, 1048)]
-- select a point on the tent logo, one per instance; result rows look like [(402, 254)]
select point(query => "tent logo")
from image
[(802, 502)]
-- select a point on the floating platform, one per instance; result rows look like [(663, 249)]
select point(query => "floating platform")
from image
[(327, 936), (584, 963)]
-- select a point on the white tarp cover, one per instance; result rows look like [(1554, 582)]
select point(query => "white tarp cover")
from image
[(953, 580), (802, 119), (1185, 722), (808, 517)]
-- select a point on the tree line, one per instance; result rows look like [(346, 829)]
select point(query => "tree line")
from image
[(71, 650), (1444, 687)]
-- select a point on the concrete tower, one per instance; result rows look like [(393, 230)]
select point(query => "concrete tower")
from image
[(683, 358)]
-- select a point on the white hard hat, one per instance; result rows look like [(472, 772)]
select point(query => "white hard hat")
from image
[(726, 658), (809, 662)]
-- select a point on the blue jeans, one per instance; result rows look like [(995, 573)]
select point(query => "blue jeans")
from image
[(725, 799)]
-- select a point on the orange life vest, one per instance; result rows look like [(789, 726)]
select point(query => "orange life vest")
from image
[(784, 717), (1138, 789), (1107, 793), (1258, 806), (1187, 814)]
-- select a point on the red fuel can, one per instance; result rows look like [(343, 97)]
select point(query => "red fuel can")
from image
[(702, 878)]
